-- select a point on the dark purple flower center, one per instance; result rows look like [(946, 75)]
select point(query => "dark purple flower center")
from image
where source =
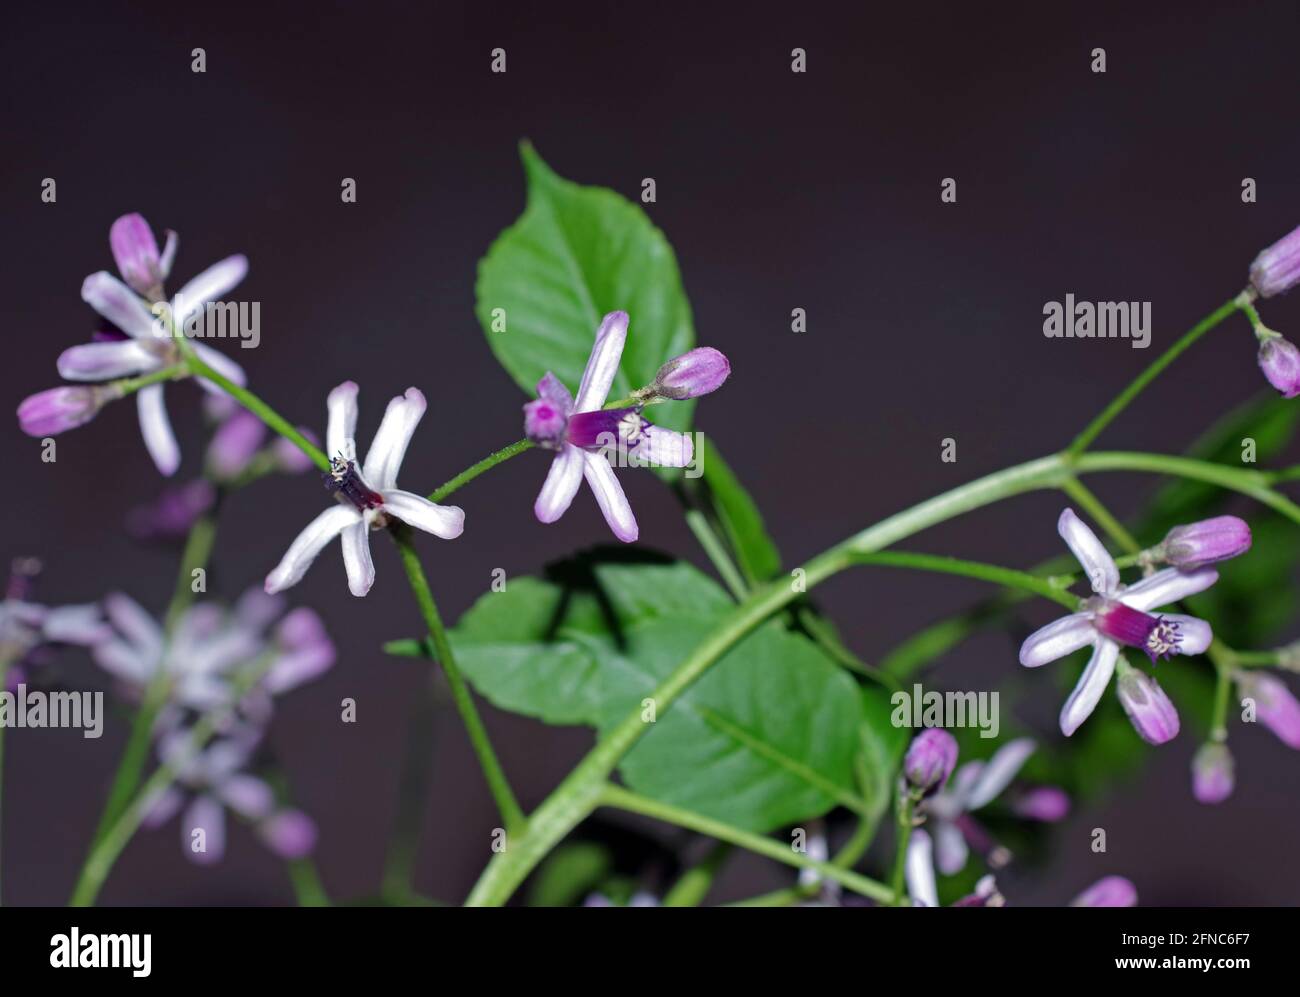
[(344, 479), (619, 427), (1157, 636)]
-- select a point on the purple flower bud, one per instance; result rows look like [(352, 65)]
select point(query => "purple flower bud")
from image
[(1109, 891), (1280, 362), (172, 513), (544, 422), (234, 445), (288, 457), (1277, 268), (136, 252), (692, 374), (1213, 773), (1151, 712), (1046, 803), (1275, 707), (291, 834), (58, 409), (930, 759), (1198, 544)]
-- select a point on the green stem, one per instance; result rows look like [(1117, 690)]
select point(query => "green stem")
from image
[(496, 779), (1100, 514), (306, 882), (486, 464), (1007, 577), (259, 408), (615, 796), (412, 797), (130, 385), (717, 552), (693, 885), (1219, 715), (904, 838), (1121, 402)]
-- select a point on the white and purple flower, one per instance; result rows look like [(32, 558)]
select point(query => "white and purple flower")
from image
[(583, 433), (27, 628), (139, 343), (1116, 616), (367, 496)]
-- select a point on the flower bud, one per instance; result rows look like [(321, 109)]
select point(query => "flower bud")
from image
[(544, 423), (1109, 891), (1213, 775), (136, 252), (1280, 362), (1198, 544), (291, 834), (692, 374), (930, 759), (1045, 803), (1149, 710), (1275, 707), (173, 513), (51, 412), (1277, 268), (234, 445)]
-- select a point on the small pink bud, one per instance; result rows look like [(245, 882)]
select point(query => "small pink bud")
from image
[(51, 412), (1213, 776), (288, 457), (1149, 710), (234, 445), (1198, 544), (930, 759), (1277, 268), (1280, 362), (1109, 891), (1046, 803), (544, 422), (692, 374), (291, 834), (1275, 706), (136, 252)]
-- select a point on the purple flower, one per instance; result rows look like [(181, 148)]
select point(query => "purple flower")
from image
[(1149, 710), (1109, 891), (147, 344), (582, 433), (50, 412), (1213, 773), (1115, 616), (26, 627), (1277, 268), (930, 759), (136, 252), (697, 372), (1048, 804), (234, 445), (1205, 542), (173, 513), (368, 497), (1280, 361), (976, 785), (1275, 707)]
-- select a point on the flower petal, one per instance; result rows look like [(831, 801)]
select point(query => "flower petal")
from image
[(950, 849), (1195, 633), (609, 496), (134, 623), (388, 448), (222, 364), (156, 428), (341, 430), (562, 482), (121, 306), (356, 558), (1110, 891), (1167, 587), (308, 544), (998, 771), (103, 361), (663, 448), (127, 663), (83, 625), (602, 365), (1091, 685), (170, 245), (551, 389), (161, 806), (1091, 554), (209, 285), (205, 814), (247, 795), (1057, 639), (919, 870), (446, 521)]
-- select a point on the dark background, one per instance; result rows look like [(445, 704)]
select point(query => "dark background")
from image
[(778, 191)]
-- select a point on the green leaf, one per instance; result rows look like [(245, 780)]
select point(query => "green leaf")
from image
[(767, 737), (755, 551), (575, 254)]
